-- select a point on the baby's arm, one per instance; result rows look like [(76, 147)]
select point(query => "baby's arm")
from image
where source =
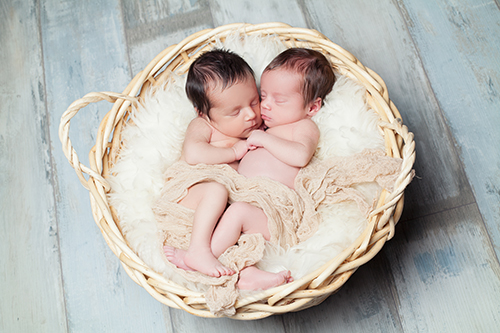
[(197, 148), (296, 152)]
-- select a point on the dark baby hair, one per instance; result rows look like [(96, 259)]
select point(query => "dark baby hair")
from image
[(313, 66), (211, 69)]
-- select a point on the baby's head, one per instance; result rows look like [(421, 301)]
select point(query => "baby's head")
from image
[(312, 66), (221, 86), (294, 86), (214, 71)]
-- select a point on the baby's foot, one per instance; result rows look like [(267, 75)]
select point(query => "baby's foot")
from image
[(176, 257), (204, 262), (252, 278)]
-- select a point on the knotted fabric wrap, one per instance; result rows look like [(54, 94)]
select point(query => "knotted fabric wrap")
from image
[(292, 214)]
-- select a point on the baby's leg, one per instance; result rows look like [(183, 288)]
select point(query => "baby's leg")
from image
[(209, 201), (239, 217), (252, 278)]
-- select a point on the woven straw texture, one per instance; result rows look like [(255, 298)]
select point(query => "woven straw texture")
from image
[(303, 293)]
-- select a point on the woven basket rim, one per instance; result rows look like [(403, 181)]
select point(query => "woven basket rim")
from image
[(316, 286)]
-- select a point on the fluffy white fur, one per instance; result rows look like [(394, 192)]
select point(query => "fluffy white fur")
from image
[(346, 124)]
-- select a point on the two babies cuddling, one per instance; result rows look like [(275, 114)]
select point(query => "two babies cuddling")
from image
[(229, 129)]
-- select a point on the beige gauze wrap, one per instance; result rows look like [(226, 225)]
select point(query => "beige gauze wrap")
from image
[(292, 214)]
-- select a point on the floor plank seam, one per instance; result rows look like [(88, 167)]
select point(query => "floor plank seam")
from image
[(53, 168), (126, 41), (441, 211)]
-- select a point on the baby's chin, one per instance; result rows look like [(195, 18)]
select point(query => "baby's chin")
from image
[(268, 123)]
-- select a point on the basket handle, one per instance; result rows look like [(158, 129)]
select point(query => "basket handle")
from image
[(64, 125)]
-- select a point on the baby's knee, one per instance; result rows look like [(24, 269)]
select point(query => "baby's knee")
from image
[(215, 189), (239, 208)]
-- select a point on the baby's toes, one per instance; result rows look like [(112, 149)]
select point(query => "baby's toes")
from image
[(225, 271)]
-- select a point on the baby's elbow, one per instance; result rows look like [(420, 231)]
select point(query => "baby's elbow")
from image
[(192, 158), (304, 163), (300, 162), (303, 160), (190, 161)]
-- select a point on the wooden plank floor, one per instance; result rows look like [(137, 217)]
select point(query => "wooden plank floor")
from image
[(440, 61)]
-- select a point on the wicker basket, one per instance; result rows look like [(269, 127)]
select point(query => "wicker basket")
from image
[(316, 286)]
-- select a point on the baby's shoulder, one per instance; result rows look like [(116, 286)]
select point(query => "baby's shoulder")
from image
[(199, 122), (306, 124), (306, 130), (199, 128)]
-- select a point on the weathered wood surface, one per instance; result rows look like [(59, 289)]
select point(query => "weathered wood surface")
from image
[(440, 62), (95, 285), (459, 44), (31, 289)]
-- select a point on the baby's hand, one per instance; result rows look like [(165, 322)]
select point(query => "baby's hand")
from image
[(240, 149), (254, 141)]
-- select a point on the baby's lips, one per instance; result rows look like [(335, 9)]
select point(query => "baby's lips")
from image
[(264, 117)]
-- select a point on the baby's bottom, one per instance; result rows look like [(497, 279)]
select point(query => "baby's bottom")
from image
[(208, 200)]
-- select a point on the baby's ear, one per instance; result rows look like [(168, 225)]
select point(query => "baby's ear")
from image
[(200, 114), (314, 107)]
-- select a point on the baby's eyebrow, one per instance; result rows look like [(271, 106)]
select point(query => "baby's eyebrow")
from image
[(279, 94), (280, 97)]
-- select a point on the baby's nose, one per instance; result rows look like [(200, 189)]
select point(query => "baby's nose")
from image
[(249, 113), (264, 104)]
